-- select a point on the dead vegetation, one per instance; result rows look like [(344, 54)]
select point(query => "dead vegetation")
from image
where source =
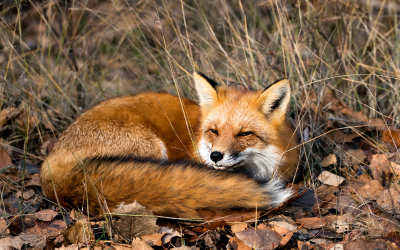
[(59, 58)]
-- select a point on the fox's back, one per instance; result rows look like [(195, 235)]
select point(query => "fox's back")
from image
[(150, 125)]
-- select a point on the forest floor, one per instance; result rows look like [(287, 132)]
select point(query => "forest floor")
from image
[(59, 58)]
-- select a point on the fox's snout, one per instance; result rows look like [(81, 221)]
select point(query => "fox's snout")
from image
[(216, 156)]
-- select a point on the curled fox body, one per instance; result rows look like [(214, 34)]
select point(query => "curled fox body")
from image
[(147, 148)]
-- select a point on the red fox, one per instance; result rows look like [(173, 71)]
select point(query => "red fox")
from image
[(131, 148)]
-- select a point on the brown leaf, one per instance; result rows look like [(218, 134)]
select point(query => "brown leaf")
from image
[(341, 226), (79, 232), (388, 200), (153, 239), (362, 244), (330, 219), (238, 227), (355, 116), (331, 179), (48, 146), (129, 226), (378, 124), (392, 137), (31, 120), (371, 190), (138, 244), (5, 158), (45, 215), (3, 227), (36, 236), (5, 243), (282, 224), (393, 237), (18, 225), (34, 181), (124, 247), (312, 222), (381, 164), (169, 233), (284, 233), (285, 239), (260, 239), (329, 160), (339, 137), (346, 203), (237, 244), (26, 195), (7, 114), (352, 157)]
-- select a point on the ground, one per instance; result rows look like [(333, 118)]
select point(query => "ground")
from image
[(59, 58)]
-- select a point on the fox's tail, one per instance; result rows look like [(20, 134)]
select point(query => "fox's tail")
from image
[(169, 189)]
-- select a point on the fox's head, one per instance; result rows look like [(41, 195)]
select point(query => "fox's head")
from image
[(242, 126)]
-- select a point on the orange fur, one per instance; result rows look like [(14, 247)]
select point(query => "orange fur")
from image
[(116, 152)]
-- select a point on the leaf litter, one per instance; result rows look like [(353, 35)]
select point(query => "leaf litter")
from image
[(353, 204)]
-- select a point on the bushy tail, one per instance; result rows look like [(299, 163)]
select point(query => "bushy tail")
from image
[(169, 189)]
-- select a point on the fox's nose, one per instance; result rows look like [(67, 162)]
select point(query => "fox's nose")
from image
[(216, 156)]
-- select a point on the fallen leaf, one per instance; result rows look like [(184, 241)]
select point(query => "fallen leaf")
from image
[(329, 160), (5, 158), (153, 239), (362, 244), (129, 226), (259, 239), (3, 227), (346, 204), (31, 120), (5, 243), (388, 200), (34, 181), (18, 225), (70, 247), (124, 247), (140, 244), (237, 244), (392, 237), (380, 164), (36, 236), (48, 146), (378, 124), (341, 226), (312, 222), (355, 116), (45, 215), (283, 224), (339, 137), (352, 157), (329, 178), (238, 227), (26, 195), (304, 245), (7, 114), (79, 232), (169, 233), (285, 239), (392, 137), (262, 226), (371, 190)]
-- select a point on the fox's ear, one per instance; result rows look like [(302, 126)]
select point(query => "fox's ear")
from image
[(206, 89), (274, 100)]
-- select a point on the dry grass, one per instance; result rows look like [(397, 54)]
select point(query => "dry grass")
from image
[(59, 58)]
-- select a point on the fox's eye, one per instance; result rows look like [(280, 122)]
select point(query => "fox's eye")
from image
[(245, 133), (214, 131)]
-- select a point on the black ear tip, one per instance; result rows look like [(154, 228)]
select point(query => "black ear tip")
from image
[(213, 83), (275, 82)]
